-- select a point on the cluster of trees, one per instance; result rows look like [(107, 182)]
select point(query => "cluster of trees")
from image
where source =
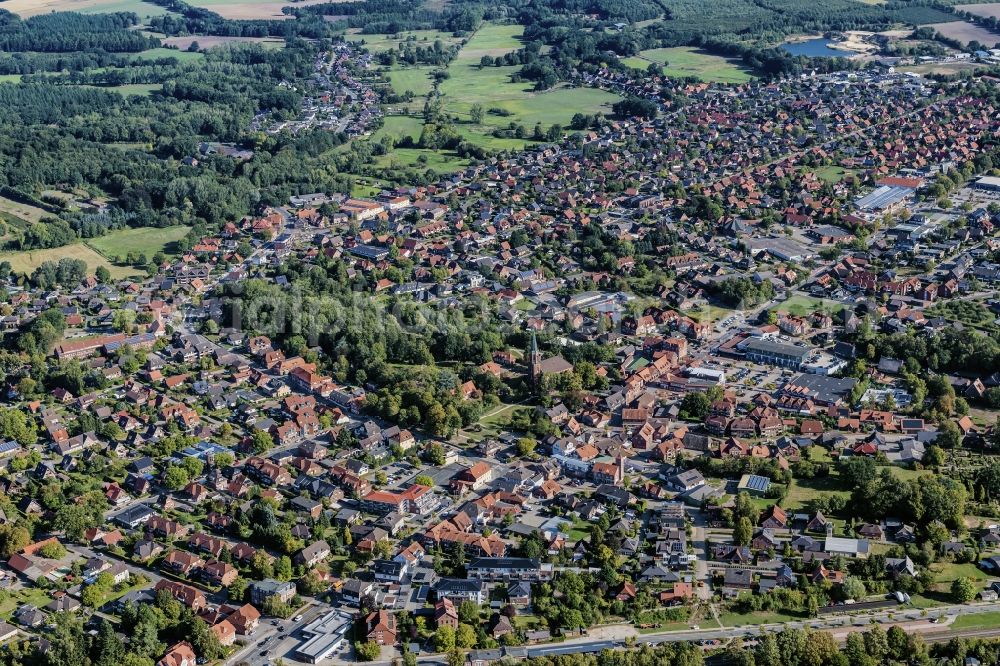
[(878, 493), (743, 292), (66, 32)]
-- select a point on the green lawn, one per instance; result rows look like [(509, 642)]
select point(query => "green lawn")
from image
[(147, 240), (683, 61), (494, 39), (744, 619), (10, 78), (989, 620), (411, 157), (799, 305), (948, 572), (399, 126), (802, 491), (831, 173), (415, 79)]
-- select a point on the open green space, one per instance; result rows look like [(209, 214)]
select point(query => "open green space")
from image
[(147, 240), (989, 620), (493, 39), (762, 617), (182, 56), (28, 260), (399, 126), (492, 88), (831, 173), (378, 43), (422, 159), (414, 79), (22, 211), (800, 305), (683, 61)]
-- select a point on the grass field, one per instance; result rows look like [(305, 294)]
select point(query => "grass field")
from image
[(399, 126), (22, 211), (148, 240), (803, 305), (27, 8), (415, 79), (182, 56), (989, 620), (683, 61), (10, 78), (28, 261), (207, 42), (411, 157), (379, 43), (469, 84), (831, 173)]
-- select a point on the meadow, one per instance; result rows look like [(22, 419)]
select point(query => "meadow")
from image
[(28, 261), (682, 61), (146, 240), (156, 54), (22, 211), (207, 42), (379, 43), (491, 87), (415, 79)]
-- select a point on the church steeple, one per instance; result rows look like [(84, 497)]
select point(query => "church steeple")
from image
[(534, 361)]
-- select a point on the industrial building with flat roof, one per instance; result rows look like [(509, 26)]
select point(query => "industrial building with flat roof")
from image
[(991, 183), (885, 198), (775, 353), (324, 636)]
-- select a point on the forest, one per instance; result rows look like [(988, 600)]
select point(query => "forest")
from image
[(55, 132), (67, 32)]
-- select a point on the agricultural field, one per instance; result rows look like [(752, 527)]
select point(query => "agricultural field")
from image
[(22, 211), (147, 240), (28, 261), (682, 61), (28, 8), (965, 32), (253, 9), (207, 42), (984, 9)]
